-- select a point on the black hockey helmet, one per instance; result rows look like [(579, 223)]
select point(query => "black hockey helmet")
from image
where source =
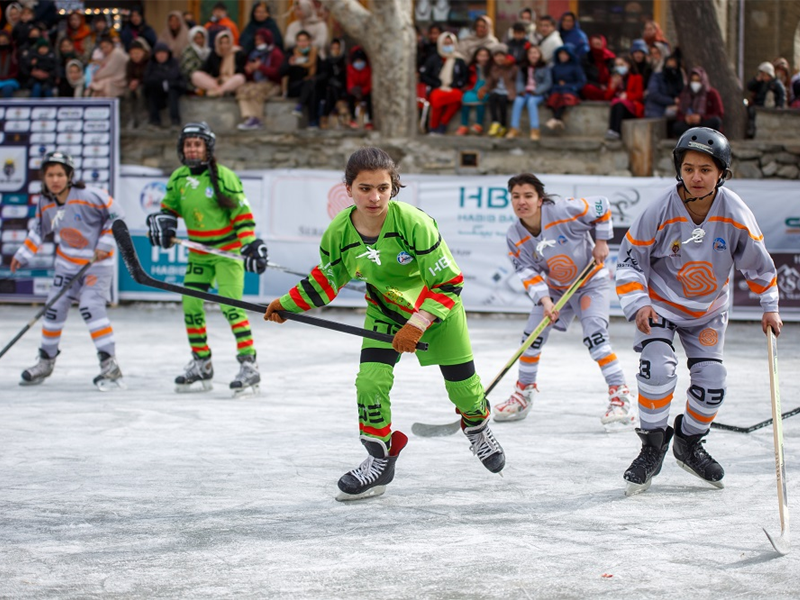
[(196, 130), (59, 158), (708, 141)]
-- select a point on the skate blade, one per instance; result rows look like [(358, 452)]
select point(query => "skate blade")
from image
[(373, 492), (30, 383), (616, 426), (191, 388), (246, 392), (109, 385), (717, 484), (631, 489), (500, 418)]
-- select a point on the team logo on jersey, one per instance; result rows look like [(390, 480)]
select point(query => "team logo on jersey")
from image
[(562, 240), (404, 258), (598, 208), (78, 218), (720, 245), (58, 217), (708, 337), (675, 249), (209, 192), (193, 181), (372, 254)]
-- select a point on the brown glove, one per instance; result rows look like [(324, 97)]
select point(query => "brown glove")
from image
[(272, 312), (406, 339)]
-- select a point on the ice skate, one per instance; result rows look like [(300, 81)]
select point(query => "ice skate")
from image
[(485, 446), (620, 413), (199, 370), (518, 405), (372, 476), (246, 382), (110, 377), (647, 465), (693, 458), (40, 371)]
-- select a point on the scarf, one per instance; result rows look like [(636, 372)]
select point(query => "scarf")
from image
[(201, 51), (446, 74), (178, 40)]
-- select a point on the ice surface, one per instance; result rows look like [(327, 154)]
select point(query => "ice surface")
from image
[(145, 493)]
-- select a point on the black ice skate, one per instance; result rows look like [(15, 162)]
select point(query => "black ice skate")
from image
[(693, 458), (246, 382), (372, 476), (485, 447), (647, 465), (198, 370), (40, 371), (110, 377)]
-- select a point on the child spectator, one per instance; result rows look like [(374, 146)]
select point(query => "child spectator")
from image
[(333, 85), (75, 79), (9, 67), (501, 89), (598, 64), (640, 58), (445, 74), (626, 93), (78, 31), (298, 72), (109, 81), (194, 55), (100, 29), (483, 35), (163, 84), (43, 69), (534, 82), (138, 57), (175, 33), (263, 72), (783, 73), (478, 72), (307, 19), (24, 24), (548, 38), (766, 89), (13, 11), (219, 22), (260, 18), (664, 90), (359, 86), (518, 44), (91, 68), (66, 53), (223, 70), (572, 35), (428, 47), (137, 27), (568, 80), (699, 105), (526, 17)]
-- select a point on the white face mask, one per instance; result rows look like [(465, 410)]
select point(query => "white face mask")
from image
[(261, 47), (696, 86)]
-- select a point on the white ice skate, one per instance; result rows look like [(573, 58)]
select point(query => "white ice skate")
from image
[(620, 414), (110, 377), (518, 405), (40, 371), (199, 370), (246, 382)]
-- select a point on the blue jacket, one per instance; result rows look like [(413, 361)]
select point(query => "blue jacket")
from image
[(576, 38), (661, 93), (569, 72), (543, 77)]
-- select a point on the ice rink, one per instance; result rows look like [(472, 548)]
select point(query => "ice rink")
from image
[(144, 493)]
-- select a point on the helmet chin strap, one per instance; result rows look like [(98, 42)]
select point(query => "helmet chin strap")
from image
[(687, 200)]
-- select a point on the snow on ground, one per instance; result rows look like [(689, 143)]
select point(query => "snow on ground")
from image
[(144, 493)]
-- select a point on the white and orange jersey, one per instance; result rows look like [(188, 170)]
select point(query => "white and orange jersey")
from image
[(682, 269), (548, 263), (81, 225)]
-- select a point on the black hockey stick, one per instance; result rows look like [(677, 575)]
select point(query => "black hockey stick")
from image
[(46, 307), (128, 253), (753, 428)]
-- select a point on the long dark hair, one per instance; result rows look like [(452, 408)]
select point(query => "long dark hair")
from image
[(372, 159), (213, 175), (80, 184), (533, 180)]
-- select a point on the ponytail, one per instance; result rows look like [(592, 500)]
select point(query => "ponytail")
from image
[(213, 175)]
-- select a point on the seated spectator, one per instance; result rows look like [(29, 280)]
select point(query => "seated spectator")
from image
[(534, 82), (298, 73), (91, 68), (446, 74), (526, 17), (428, 46), (66, 52), (500, 88), (109, 80), (568, 80), (572, 34), (194, 55), (766, 90), (626, 93), (137, 27), (359, 87), (13, 12), (9, 67), (223, 71), (654, 37), (518, 44), (138, 58), (219, 22), (163, 84), (549, 39), (598, 64), (260, 18), (664, 90), (656, 59), (783, 73), (100, 28), (483, 35), (699, 105), (79, 32), (640, 58), (478, 72), (43, 69), (263, 72), (307, 19), (175, 33), (75, 80), (24, 24), (333, 86)]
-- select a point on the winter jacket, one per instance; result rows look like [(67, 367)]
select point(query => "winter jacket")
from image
[(166, 75), (633, 86), (300, 71), (429, 73), (760, 89), (130, 33), (543, 76), (598, 64), (508, 73), (576, 38), (269, 60), (707, 102), (9, 67), (248, 38), (214, 62), (359, 79), (568, 77), (661, 93)]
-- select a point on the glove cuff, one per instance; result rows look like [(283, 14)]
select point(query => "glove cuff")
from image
[(418, 321)]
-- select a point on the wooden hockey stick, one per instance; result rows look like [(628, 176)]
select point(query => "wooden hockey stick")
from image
[(128, 253), (781, 544), (435, 430), (46, 307)]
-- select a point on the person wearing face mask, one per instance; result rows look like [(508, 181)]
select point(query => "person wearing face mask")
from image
[(699, 105), (359, 86), (263, 80), (307, 19), (333, 85), (664, 90), (260, 19), (446, 74), (299, 77), (626, 93)]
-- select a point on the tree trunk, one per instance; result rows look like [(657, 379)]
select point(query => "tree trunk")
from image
[(700, 40), (387, 35)]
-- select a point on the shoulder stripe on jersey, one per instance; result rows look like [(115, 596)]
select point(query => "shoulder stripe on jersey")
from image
[(48, 206), (392, 234), (429, 250), (671, 221), (92, 204), (738, 226), (312, 294), (585, 210), (522, 241), (759, 289), (350, 246), (636, 242)]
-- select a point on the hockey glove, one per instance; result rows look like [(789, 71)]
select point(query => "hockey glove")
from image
[(255, 254), (273, 311), (163, 227), (406, 339)]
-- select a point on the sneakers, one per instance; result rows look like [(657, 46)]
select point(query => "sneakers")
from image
[(485, 446), (620, 413), (40, 371), (693, 458), (372, 476), (110, 377), (248, 378), (648, 464), (297, 111), (612, 135), (551, 124), (476, 129), (494, 129), (535, 135), (463, 130), (518, 405), (250, 124), (512, 133), (198, 370)]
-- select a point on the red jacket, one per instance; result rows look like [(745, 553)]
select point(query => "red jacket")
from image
[(356, 78), (634, 90)]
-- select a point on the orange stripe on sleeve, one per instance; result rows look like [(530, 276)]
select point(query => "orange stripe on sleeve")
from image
[(533, 281), (758, 289), (737, 225), (627, 288), (605, 217)]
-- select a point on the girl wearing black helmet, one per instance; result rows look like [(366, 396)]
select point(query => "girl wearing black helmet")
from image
[(673, 277), (211, 201), (80, 217)]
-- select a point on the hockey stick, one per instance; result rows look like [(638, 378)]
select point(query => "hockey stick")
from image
[(128, 253), (46, 307), (752, 428), (225, 254), (781, 544), (434, 430)]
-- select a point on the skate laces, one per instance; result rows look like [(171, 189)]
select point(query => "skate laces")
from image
[(482, 443), (369, 470)]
